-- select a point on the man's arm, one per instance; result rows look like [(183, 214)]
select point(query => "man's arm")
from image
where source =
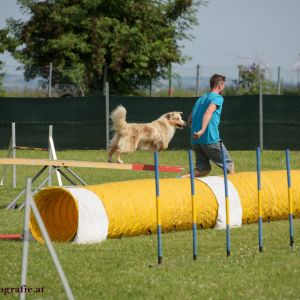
[(206, 118)]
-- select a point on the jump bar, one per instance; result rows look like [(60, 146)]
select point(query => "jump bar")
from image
[(12, 236), (31, 148), (86, 164), (171, 169)]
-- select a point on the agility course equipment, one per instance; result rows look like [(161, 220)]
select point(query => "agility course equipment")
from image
[(194, 218), (57, 166), (158, 210), (11, 236), (93, 213), (226, 200), (12, 153), (259, 197), (289, 181), (87, 164), (29, 203)]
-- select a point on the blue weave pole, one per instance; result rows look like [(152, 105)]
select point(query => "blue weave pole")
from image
[(158, 212), (226, 200), (194, 218), (289, 181), (259, 194)]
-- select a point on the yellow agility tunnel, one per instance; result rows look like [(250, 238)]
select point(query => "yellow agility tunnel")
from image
[(93, 213)]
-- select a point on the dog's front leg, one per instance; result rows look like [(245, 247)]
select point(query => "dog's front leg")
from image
[(111, 151), (119, 160)]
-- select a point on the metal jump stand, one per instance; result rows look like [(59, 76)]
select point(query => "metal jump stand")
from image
[(72, 177)]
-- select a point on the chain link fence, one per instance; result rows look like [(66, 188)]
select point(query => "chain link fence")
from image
[(80, 119), (80, 122), (48, 82), (281, 122), (193, 81), (183, 81)]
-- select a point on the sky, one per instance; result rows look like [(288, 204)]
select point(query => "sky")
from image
[(230, 32)]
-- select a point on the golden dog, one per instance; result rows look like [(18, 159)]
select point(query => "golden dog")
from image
[(154, 136)]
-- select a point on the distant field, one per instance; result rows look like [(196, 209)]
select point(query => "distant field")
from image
[(126, 268)]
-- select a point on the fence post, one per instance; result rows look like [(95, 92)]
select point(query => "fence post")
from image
[(50, 80), (50, 155), (261, 119), (278, 81), (150, 88), (14, 153), (170, 91), (197, 80), (107, 113), (104, 79)]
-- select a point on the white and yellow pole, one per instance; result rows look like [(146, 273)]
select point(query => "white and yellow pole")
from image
[(158, 210), (259, 195), (226, 200), (290, 198), (194, 217)]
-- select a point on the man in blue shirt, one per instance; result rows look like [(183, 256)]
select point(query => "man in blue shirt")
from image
[(204, 121)]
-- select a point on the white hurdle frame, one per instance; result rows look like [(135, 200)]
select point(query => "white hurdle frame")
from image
[(52, 155), (9, 152), (12, 152), (29, 203)]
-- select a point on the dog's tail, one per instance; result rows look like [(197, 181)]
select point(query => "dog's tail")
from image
[(118, 117)]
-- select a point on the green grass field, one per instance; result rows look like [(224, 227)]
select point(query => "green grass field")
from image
[(126, 268)]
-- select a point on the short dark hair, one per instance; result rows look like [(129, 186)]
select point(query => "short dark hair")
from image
[(216, 79)]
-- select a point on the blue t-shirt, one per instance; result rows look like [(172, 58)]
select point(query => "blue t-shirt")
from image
[(211, 134)]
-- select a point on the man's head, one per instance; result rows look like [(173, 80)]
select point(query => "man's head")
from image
[(217, 83)]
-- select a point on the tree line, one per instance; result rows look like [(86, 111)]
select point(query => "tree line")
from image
[(127, 43)]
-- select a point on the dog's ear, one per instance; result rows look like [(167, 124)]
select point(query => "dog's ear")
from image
[(168, 116)]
